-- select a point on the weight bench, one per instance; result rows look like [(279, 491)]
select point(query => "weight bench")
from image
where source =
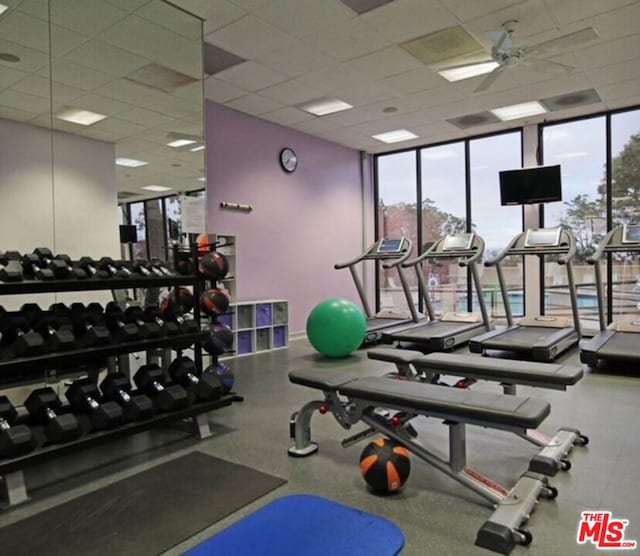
[(414, 365), (351, 399)]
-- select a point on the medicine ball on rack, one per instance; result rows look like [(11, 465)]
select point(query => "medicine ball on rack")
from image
[(214, 302), (220, 340), (184, 263), (224, 373), (213, 266), (202, 242), (180, 300), (385, 465)]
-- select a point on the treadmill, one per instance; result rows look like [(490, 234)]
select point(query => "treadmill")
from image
[(392, 252), (452, 329), (541, 338), (620, 340)]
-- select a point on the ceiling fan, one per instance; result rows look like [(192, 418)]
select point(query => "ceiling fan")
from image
[(507, 55)]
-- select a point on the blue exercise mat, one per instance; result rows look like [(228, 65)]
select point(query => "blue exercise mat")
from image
[(304, 525)]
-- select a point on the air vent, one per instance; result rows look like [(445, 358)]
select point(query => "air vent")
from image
[(160, 77), (126, 194), (362, 6), (571, 100), (473, 120), (217, 59), (446, 44)]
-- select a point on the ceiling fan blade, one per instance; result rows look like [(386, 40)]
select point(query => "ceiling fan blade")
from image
[(548, 66), (489, 79), (565, 41), (501, 40)]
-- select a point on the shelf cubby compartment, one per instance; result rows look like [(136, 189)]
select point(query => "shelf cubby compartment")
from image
[(244, 342), (280, 312), (263, 339), (244, 316), (264, 314), (280, 336)]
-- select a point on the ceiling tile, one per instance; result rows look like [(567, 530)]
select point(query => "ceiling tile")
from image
[(616, 23), (363, 93), (144, 117), (22, 101), (25, 29), (102, 105), (76, 75), (129, 5), (620, 90), (291, 92), (295, 61), (348, 39), (254, 104), (9, 76), (348, 138), (220, 13), (401, 21), (435, 97), (466, 11), (568, 11), (41, 86), (287, 116), (604, 53), (12, 113), (250, 36), (36, 8), (171, 18), (381, 64), (316, 125), (63, 40), (221, 91), (110, 59), (414, 81), (250, 5), (354, 116), (30, 59), (304, 17), (96, 15), (118, 127), (251, 76), (615, 73)]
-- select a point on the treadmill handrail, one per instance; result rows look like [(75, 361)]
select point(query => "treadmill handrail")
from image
[(367, 255), (567, 249), (472, 255), (602, 247), (397, 262)]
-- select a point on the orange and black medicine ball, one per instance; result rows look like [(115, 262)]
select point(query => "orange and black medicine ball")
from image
[(214, 302), (385, 465), (179, 300), (213, 266)]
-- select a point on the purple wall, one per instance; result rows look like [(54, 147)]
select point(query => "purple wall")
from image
[(301, 223)]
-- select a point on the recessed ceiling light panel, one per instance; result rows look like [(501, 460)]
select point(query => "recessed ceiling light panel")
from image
[(157, 188), (3, 8), (395, 136), (324, 106), (79, 116), (181, 143), (516, 111), (198, 148), (465, 72), (130, 162)]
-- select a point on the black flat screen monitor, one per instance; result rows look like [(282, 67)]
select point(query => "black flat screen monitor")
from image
[(390, 245), (631, 233), (128, 233), (528, 186), (542, 237), (458, 242)]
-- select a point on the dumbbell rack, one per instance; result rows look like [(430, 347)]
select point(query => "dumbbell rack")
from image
[(25, 370)]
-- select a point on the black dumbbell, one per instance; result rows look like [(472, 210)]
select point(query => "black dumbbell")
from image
[(18, 337), (204, 386), (10, 267), (91, 268), (56, 336), (145, 269), (146, 329), (74, 269), (14, 439), (116, 387), (88, 326), (185, 326), (84, 397), (33, 266), (44, 405), (108, 265), (153, 314), (162, 267), (150, 380), (115, 320), (59, 268)]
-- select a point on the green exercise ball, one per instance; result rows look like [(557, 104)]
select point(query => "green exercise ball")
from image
[(336, 327)]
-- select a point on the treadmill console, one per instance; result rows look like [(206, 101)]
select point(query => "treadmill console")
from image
[(390, 245), (542, 237), (458, 242), (631, 233)]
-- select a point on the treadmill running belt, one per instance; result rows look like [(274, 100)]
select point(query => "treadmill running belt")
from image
[(622, 346), (522, 337), (435, 329)]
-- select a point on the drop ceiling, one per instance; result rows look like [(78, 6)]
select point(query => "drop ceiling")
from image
[(289, 52), (298, 50)]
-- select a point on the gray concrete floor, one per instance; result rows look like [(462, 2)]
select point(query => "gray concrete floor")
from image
[(436, 514)]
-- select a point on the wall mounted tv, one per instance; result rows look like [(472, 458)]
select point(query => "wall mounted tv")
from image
[(526, 186)]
